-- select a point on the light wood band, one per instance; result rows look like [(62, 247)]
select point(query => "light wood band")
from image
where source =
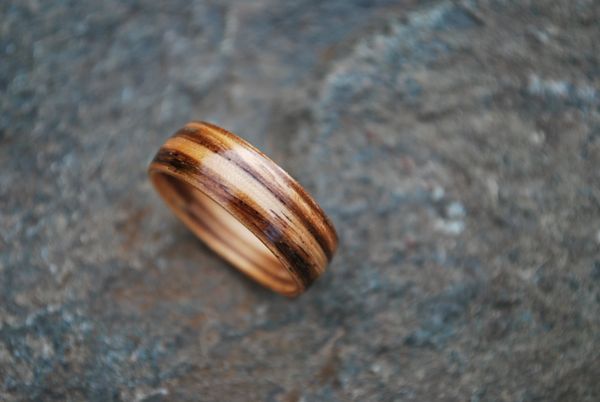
[(244, 206)]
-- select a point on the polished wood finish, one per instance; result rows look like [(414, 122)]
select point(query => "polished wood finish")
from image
[(244, 206)]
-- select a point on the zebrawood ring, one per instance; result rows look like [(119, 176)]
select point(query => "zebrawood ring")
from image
[(244, 207)]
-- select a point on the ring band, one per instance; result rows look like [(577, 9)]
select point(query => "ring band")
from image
[(244, 207)]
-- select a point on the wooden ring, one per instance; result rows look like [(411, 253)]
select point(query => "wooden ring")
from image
[(244, 207)]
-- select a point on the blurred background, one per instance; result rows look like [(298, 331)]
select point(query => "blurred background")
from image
[(455, 144)]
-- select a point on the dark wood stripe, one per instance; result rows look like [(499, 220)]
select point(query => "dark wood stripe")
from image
[(220, 148), (186, 165)]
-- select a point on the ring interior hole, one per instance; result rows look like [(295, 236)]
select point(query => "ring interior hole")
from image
[(224, 233)]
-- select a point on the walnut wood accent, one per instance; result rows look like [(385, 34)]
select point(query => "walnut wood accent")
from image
[(244, 206)]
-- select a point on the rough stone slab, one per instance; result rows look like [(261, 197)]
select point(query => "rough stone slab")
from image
[(456, 145)]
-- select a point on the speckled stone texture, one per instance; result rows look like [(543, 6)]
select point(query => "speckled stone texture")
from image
[(456, 146)]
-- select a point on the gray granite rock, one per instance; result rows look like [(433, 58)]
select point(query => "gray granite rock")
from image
[(456, 145)]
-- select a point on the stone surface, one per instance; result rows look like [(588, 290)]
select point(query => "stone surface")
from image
[(456, 145)]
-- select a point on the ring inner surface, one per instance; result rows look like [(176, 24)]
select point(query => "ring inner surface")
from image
[(223, 233)]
